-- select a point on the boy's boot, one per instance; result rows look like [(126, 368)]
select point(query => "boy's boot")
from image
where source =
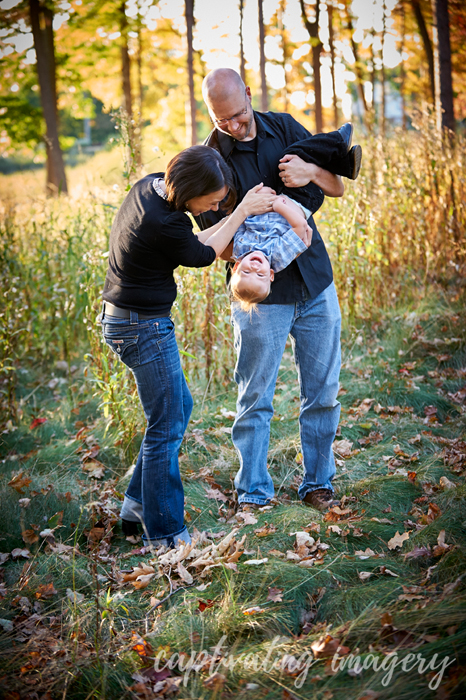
[(346, 132), (354, 153)]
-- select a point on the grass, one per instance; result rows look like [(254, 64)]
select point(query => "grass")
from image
[(71, 427)]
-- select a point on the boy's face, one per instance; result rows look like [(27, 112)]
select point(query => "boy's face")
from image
[(254, 272)]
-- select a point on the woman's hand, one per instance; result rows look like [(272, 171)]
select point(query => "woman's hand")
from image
[(259, 200)]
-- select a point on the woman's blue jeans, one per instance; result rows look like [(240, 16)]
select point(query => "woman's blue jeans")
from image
[(260, 338), (155, 494)]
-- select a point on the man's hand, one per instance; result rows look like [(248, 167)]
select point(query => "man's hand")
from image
[(295, 172)]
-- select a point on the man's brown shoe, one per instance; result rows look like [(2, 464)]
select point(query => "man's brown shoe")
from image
[(322, 499)]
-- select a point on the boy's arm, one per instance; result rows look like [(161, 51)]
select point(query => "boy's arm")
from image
[(286, 248)]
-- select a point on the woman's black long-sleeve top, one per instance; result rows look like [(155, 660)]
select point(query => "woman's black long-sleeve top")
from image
[(148, 240)]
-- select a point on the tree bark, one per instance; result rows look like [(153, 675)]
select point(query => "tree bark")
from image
[(125, 64), (140, 90), (192, 126), (357, 65), (264, 97), (442, 63), (382, 77), (331, 41), (42, 31), (242, 66), (316, 44), (426, 42), (285, 49), (402, 66)]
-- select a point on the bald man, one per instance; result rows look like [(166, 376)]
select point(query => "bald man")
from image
[(302, 303)]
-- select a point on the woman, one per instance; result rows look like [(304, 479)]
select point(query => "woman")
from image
[(150, 237)]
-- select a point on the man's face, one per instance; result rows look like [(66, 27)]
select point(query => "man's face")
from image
[(234, 115)]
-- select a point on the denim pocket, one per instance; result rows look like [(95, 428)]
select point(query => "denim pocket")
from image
[(124, 343), (164, 330)]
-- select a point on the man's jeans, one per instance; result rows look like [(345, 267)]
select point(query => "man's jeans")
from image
[(260, 338), (155, 493)]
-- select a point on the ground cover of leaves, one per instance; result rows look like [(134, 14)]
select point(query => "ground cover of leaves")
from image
[(366, 601)]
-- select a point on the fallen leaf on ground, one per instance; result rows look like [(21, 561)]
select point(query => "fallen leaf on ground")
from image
[(252, 611), (30, 536), (36, 422), (364, 575), (19, 481), (397, 540), (216, 681), (265, 530), (256, 562), (275, 595), (343, 447), (216, 495), (46, 590), (364, 554)]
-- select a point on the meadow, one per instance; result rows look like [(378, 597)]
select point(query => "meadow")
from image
[(366, 601)]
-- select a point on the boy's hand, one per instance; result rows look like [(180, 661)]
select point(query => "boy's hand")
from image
[(304, 231)]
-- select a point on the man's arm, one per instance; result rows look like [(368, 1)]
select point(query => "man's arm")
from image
[(295, 172)]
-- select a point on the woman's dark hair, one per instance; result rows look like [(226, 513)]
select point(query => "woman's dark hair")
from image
[(195, 172)]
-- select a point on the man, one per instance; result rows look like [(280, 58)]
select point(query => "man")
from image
[(302, 302)]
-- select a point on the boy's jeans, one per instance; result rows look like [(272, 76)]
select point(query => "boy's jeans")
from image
[(260, 338), (155, 493)]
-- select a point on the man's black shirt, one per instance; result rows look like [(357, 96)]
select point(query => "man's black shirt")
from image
[(253, 162)]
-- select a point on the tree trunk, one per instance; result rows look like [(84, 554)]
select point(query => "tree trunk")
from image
[(382, 77), (316, 44), (427, 44), (191, 126), (242, 67), (42, 31), (127, 123), (284, 43), (331, 41), (125, 64), (140, 91), (402, 66), (264, 99), (442, 63), (357, 65), (373, 82)]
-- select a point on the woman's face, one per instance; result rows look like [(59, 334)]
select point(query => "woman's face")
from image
[(207, 202)]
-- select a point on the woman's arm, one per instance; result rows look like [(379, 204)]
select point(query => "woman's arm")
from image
[(206, 233)]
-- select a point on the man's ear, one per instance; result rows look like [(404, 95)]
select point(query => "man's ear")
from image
[(272, 275), (248, 92)]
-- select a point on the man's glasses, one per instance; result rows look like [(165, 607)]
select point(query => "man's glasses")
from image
[(222, 122)]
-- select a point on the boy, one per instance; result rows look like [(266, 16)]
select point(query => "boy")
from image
[(268, 243)]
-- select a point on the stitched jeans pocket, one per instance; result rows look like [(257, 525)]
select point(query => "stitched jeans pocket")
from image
[(124, 343)]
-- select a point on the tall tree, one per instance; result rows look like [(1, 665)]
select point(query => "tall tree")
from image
[(191, 120), (285, 49), (382, 76), (442, 65), (264, 97), (426, 43), (316, 46), (358, 66), (242, 67), (331, 41), (41, 16)]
